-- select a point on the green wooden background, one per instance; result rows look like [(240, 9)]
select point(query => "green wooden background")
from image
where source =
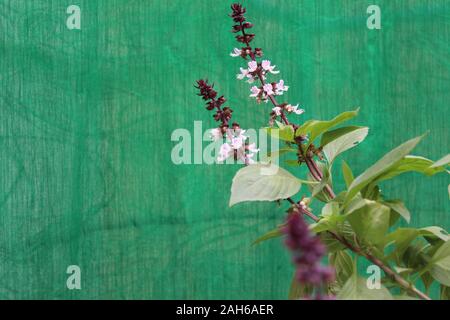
[(86, 118)]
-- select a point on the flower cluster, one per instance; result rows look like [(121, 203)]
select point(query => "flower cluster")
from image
[(235, 144), (258, 70), (307, 252), (255, 71)]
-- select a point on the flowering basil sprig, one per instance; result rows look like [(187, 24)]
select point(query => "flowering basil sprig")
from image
[(359, 221), (235, 144)]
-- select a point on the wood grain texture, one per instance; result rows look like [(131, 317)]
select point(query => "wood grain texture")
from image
[(86, 118)]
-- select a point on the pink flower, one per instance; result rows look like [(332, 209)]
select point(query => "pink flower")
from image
[(255, 91), (266, 65), (252, 66), (236, 52), (280, 88), (236, 139), (277, 111), (289, 108), (252, 148), (268, 88), (224, 152), (243, 74), (216, 134)]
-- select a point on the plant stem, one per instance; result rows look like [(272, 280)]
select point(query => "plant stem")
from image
[(315, 170)]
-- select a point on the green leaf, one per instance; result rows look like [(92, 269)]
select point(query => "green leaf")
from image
[(356, 203), (283, 132), (317, 191), (399, 207), (436, 231), (442, 162), (344, 266), (344, 143), (401, 239), (332, 135), (275, 233), (315, 127), (370, 222), (415, 257), (390, 160), (411, 164), (371, 192), (330, 218), (280, 152), (347, 173), (440, 264), (356, 289), (331, 243), (260, 182)]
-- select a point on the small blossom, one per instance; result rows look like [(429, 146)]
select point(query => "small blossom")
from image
[(248, 158), (266, 65), (252, 148), (237, 141), (252, 66), (224, 152), (244, 73), (290, 108), (255, 91), (303, 205), (216, 134), (277, 111), (268, 88), (280, 87), (236, 52)]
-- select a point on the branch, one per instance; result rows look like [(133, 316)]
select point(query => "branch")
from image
[(391, 273)]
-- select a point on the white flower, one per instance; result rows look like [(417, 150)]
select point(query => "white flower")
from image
[(252, 148), (266, 65), (252, 66), (303, 205), (255, 91), (237, 142), (277, 111), (224, 152), (268, 88), (247, 157), (243, 74), (236, 138), (216, 134), (236, 52), (280, 87), (289, 108)]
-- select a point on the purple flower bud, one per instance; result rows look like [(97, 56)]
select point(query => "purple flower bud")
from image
[(307, 251)]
